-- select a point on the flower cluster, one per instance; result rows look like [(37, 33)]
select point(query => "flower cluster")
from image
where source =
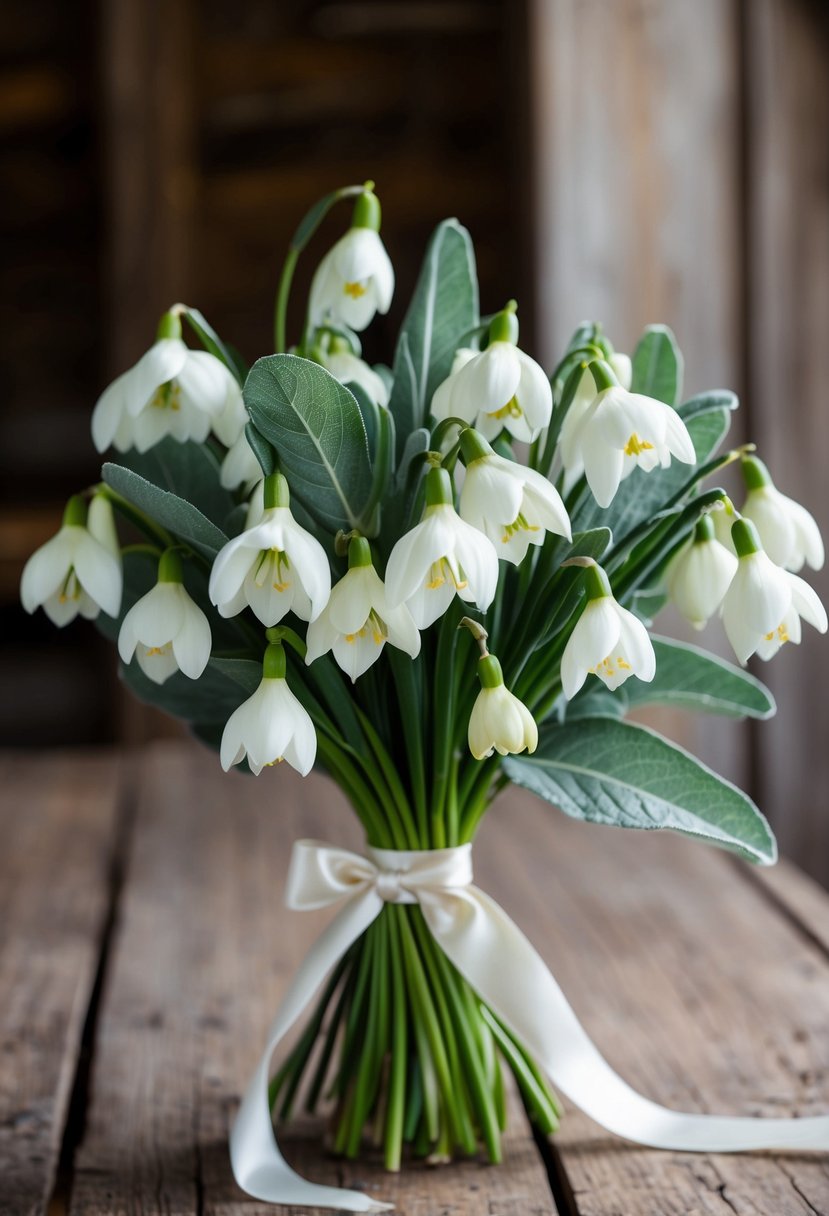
[(477, 527)]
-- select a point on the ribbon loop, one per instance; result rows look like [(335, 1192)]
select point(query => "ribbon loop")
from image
[(508, 974)]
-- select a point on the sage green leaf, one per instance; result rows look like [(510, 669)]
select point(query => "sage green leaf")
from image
[(705, 403), (690, 678), (261, 449), (315, 425), (657, 366), (594, 701), (188, 470), (627, 776), (443, 309), (174, 513), (246, 673), (213, 697)]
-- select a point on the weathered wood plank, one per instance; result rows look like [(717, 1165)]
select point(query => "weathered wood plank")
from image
[(788, 224), (637, 197), (698, 991), (58, 824), (202, 953)]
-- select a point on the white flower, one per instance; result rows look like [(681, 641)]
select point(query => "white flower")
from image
[(583, 398), (240, 466), (79, 569), (270, 726), (763, 606), (620, 431), (171, 390), (229, 424), (351, 369), (357, 621), (513, 505), (353, 281), (440, 556), (499, 721), (165, 630), (788, 532), (497, 387), (700, 574), (607, 641), (276, 566)]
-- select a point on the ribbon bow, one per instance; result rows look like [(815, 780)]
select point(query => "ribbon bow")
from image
[(495, 957)]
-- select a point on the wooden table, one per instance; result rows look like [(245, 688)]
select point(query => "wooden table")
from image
[(144, 949)]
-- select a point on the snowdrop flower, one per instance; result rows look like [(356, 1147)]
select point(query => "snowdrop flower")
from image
[(439, 557), (584, 397), (498, 387), (357, 621), (349, 368), (165, 630), (355, 279), (788, 532), (499, 721), (442, 398), (271, 726), (621, 430), (764, 604), (513, 505), (240, 466), (700, 574), (171, 390), (607, 641), (275, 566), (79, 569)]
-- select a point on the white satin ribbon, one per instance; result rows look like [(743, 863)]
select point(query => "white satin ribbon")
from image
[(508, 974)]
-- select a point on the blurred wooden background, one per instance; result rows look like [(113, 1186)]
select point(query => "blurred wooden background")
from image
[(626, 160)]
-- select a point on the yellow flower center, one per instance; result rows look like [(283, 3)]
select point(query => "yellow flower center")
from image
[(512, 408), (441, 572), (273, 567), (781, 632), (636, 446), (354, 290), (374, 626), (159, 650), (167, 397), (606, 668), (519, 524), (71, 589)]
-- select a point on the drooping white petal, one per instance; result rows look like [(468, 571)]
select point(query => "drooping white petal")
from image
[(479, 562), (535, 395), (98, 572), (603, 467), (240, 466), (205, 382), (109, 413), (412, 556), (698, 579), (192, 642), (161, 364), (595, 635), (807, 603), (490, 380), (157, 662), (48, 567)]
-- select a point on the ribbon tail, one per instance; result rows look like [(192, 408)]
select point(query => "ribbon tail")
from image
[(258, 1166), (492, 953)]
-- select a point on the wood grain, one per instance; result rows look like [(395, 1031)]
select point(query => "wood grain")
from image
[(787, 42), (696, 989), (202, 953), (58, 825)]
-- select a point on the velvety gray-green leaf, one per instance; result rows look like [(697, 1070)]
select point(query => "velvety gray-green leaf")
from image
[(443, 309), (657, 365), (213, 697), (690, 678), (188, 470), (315, 425), (627, 776), (173, 513)]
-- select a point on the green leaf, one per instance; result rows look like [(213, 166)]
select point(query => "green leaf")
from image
[(213, 343), (213, 697), (172, 512), (188, 470), (690, 678), (245, 673), (705, 403), (315, 425), (627, 776), (261, 449), (594, 701), (443, 308), (657, 366)]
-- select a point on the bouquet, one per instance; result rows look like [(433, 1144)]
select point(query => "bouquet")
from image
[(429, 580)]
